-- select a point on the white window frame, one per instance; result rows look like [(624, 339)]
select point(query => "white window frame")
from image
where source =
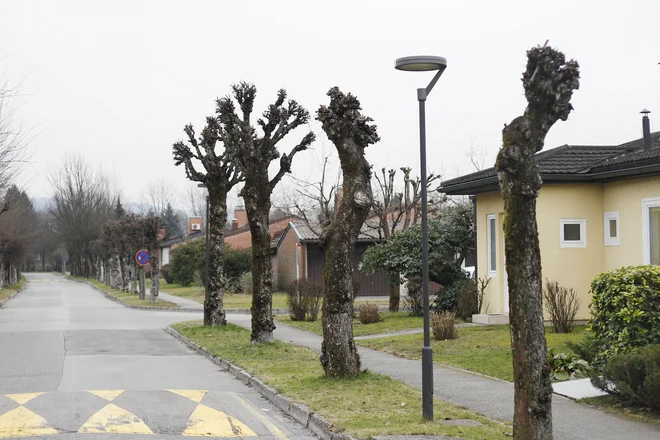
[(583, 233), (646, 227), (489, 217), (609, 240)]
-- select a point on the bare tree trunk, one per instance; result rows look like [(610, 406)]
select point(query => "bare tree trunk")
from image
[(155, 274), (351, 133), (395, 292), (123, 267), (214, 311), (134, 284), (262, 272), (115, 273), (549, 83)]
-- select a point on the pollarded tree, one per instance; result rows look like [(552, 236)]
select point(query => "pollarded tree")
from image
[(351, 132), (549, 82), (254, 152), (152, 227), (220, 177)]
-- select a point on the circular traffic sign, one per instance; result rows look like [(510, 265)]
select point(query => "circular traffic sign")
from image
[(142, 257)]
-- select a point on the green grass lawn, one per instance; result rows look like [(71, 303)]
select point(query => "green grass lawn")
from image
[(483, 349), (391, 322), (128, 298), (365, 406), (6, 291)]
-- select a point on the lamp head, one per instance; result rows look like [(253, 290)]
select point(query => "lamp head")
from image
[(420, 63)]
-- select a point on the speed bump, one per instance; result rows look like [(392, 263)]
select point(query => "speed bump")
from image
[(112, 418), (21, 422), (208, 422)]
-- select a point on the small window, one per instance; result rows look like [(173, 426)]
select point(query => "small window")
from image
[(612, 228), (492, 245), (573, 233)]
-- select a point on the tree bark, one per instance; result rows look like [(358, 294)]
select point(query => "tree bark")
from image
[(350, 132), (257, 207), (395, 292), (214, 312), (549, 82)]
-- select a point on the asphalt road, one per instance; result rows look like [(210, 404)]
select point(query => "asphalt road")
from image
[(74, 364)]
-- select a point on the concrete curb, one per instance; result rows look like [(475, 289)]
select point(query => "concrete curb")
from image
[(157, 309), (4, 300), (305, 416)]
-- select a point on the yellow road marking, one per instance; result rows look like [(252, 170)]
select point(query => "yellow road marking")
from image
[(208, 422), (111, 418), (194, 395), (22, 399), (263, 419), (108, 395), (21, 422)]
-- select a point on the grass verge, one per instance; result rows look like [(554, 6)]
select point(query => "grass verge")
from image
[(125, 297), (6, 291), (392, 322), (612, 405), (365, 406), (483, 349), (231, 300)]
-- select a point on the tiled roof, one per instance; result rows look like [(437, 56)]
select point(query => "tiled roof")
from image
[(305, 233), (242, 238), (580, 161)]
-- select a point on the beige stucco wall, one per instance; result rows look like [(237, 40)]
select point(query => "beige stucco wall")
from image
[(626, 197), (571, 267)]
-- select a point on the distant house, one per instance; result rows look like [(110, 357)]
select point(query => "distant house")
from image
[(300, 255), (598, 210)]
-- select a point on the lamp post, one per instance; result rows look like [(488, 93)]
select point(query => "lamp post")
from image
[(424, 64), (206, 258)]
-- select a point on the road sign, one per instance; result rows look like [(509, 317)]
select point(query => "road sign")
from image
[(142, 257), (64, 259)]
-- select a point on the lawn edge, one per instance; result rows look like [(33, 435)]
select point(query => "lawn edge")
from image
[(129, 306), (20, 289), (299, 412)]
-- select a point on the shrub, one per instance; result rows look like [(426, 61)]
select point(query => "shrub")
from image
[(414, 302), (584, 348), (442, 324), (188, 259), (369, 313), (634, 376), (245, 283), (625, 311), (237, 262), (303, 297), (562, 304), (564, 366), (446, 300), (166, 274), (470, 294)]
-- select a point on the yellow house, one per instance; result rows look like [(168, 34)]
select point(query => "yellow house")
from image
[(598, 210)]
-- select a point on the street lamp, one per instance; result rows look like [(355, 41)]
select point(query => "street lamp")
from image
[(424, 64), (206, 258)]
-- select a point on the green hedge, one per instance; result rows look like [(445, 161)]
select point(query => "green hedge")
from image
[(625, 311)]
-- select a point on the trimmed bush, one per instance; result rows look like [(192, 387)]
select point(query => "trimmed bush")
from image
[(414, 302), (562, 304), (446, 300), (188, 260), (442, 325), (166, 274), (237, 262), (634, 377), (625, 311), (245, 283), (369, 313), (303, 297)]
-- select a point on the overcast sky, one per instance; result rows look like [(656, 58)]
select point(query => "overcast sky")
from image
[(118, 80)]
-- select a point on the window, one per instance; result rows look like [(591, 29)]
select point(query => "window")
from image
[(651, 230), (611, 227), (573, 233), (492, 245)]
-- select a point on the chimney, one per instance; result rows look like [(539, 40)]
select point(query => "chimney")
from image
[(234, 224), (240, 216), (194, 225), (646, 128)]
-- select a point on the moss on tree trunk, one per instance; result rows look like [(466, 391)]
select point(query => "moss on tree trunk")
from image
[(549, 82), (214, 311)]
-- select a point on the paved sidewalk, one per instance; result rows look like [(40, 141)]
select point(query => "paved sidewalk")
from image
[(184, 303), (490, 397)]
